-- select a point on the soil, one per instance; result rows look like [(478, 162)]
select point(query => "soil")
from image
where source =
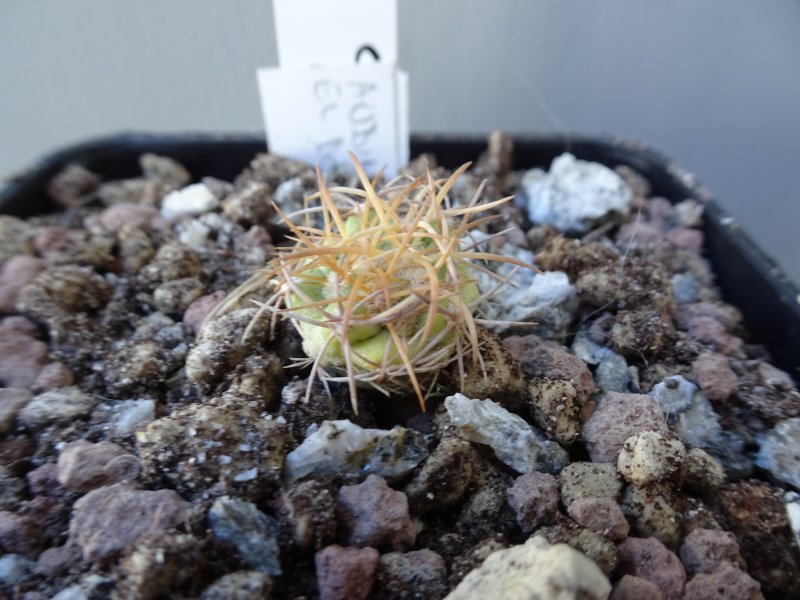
[(150, 452)]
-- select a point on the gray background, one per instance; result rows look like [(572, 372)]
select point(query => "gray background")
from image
[(715, 84)]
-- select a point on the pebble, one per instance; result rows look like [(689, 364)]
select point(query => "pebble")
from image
[(534, 498), (20, 534), (589, 480), (594, 546), (726, 582), (685, 238), (56, 406), (15, 273), (11, 401), (164, 169), (635, 588), (131, 414), (703, 475), (84, 466), (251, 205), (126, 214), (617, 417), (688, 412), (198, 449), (685, 288), (653, 512), (307, 514), (535, 570), (172, 261), (22, 358), (714, 376), (345, 449), (779, 454), (194, 199), (72, 184), (512, 439), (345, 573), (792, 500), (108, 520), (53, 375), (703, 550), (650, 456), (197, 311), (650, 559), (575, 194), (709, 331), (66, 289), (612, 373), (15, 569), (601, 515), (253, 533), (57, 560), (240, 585), (444, 477), (158, 564), (373, 514), (15, 237), (173, 297), (549, 301), (421, 573), (755, 513), (542, 358)]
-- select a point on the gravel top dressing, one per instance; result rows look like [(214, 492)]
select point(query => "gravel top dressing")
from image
[(192, 406)]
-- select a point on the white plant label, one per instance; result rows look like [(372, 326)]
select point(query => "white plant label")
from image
[(338, 88)]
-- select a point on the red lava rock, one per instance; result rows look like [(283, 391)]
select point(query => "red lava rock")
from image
[(714, 376), (650, 559), (18, 324), (109, 519), (541, 358), (84, 466), (635, 588), (57, 560), (711, 332), (345, 573), (198, 310), (685, 238), (50, 238), (726, 582), (617, 417), (639, 234), (373, 514), (117, 216), (11, 400), (704, 549), (21, 359), (534, 498), (601, 515), (728, 316), (43, 481), (420, 574), (53, 375), (20, 534), (16, 272)]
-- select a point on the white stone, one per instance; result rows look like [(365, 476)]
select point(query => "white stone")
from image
[(132, 414), (535, 570), (62, 404), (649, 456), (792, 500), (512, 438), (194, 199), (194, 234), (780, 452), (688, 412), (343, 448), (574, 194)]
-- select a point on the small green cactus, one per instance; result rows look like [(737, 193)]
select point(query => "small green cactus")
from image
[(383, 293)]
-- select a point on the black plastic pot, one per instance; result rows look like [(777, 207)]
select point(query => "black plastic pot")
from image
[(748, 279)]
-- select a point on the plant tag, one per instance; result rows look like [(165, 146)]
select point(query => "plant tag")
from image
[(318, 115), (337, 88)]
